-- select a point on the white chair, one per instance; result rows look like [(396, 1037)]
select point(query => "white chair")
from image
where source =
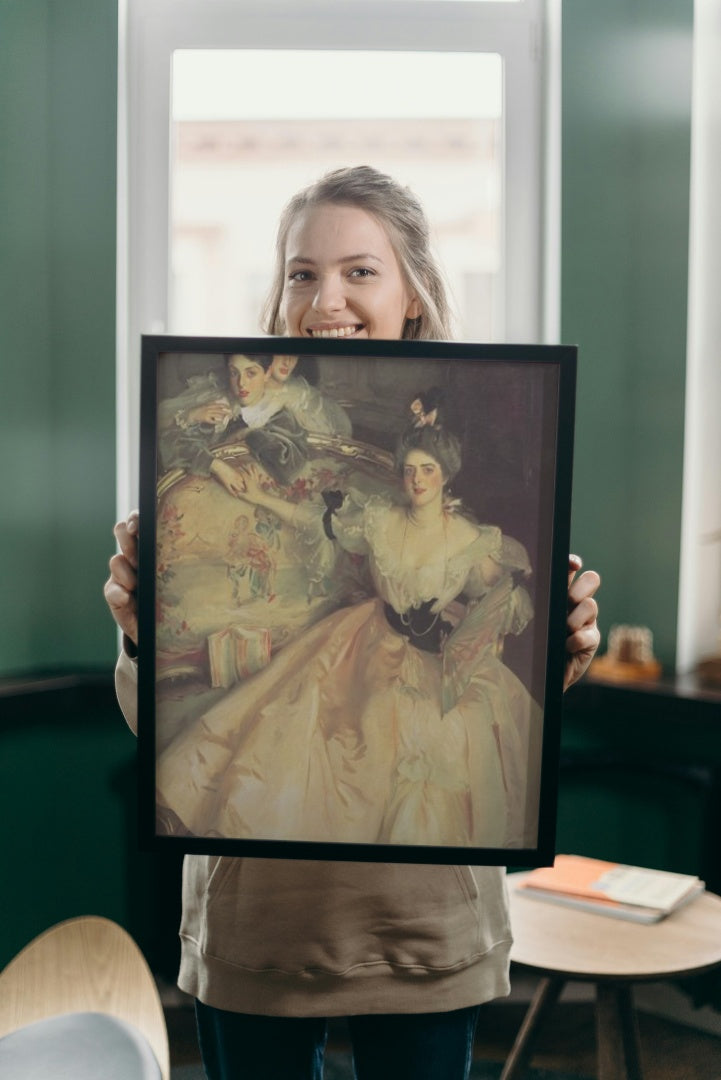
[(80, 1002)]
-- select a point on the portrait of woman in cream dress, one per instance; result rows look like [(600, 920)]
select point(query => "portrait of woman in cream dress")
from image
[(393, 720)]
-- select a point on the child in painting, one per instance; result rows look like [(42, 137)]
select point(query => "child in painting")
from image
[(190, 429), (291, 381), (263, 405), (385, 722)]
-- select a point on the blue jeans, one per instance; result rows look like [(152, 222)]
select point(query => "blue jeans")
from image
[(414, 1046)]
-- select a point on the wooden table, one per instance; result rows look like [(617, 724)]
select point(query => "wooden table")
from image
[(563, 944)]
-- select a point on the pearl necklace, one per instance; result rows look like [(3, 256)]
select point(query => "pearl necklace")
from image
[(406, 617)]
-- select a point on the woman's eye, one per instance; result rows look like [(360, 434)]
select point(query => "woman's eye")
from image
[(362, 272), (300, 276)]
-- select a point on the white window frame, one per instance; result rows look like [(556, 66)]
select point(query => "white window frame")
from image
[(526, 34), (699, 597)]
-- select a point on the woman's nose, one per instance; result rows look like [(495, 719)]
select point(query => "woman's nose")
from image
[(329, 295)]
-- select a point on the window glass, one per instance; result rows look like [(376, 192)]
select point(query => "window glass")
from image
[(232, 105), (251, 127)]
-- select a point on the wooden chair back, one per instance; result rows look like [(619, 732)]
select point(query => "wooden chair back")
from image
[(86, 964)]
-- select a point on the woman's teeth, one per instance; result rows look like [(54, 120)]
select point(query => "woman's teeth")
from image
[(336, 332)]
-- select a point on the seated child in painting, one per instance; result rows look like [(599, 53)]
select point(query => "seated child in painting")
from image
[(257, 408), (292, 380)]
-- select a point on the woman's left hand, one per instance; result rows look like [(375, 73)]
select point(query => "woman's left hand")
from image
[(583, 635), (252, 491)]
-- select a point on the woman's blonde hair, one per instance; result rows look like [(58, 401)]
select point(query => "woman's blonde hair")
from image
[(402, 216)]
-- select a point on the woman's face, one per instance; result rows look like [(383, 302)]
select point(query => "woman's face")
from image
[(422, 478), (342, 277), (282, 368), (247, 379)]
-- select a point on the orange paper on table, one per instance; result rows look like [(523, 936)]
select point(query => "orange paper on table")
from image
[(611, 885)]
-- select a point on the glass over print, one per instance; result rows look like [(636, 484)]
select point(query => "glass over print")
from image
[(353, 601)]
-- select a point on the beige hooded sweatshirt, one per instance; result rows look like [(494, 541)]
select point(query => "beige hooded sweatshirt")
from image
[(283, 937)]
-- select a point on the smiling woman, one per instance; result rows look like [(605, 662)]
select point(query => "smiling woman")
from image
[(336, 295), (353, 260), (299, 940)]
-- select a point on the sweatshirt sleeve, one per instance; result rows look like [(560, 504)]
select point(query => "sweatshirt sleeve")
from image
[(126, 688)]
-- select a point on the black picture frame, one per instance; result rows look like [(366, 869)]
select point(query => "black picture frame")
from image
[(239, 612)]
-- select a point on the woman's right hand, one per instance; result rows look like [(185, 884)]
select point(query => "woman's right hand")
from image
[(214, 412), (121, 587)]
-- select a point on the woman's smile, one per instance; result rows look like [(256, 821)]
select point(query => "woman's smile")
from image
[(335, 331)]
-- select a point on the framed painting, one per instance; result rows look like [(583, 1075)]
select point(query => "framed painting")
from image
[(352, 597)]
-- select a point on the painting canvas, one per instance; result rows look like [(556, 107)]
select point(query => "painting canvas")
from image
[(352, 596)]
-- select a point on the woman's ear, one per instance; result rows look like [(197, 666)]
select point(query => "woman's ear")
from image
[(415, 309)]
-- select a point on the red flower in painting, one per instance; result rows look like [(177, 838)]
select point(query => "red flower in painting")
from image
[(170, 532), (171, 517), (299, 489)]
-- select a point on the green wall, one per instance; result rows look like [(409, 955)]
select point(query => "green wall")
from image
[(68, 798), (67, 771), (58, 74), (626, 137), (626, 146), (626, 128)]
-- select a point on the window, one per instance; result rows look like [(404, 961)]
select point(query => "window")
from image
[(252, 127), (460, 117)]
